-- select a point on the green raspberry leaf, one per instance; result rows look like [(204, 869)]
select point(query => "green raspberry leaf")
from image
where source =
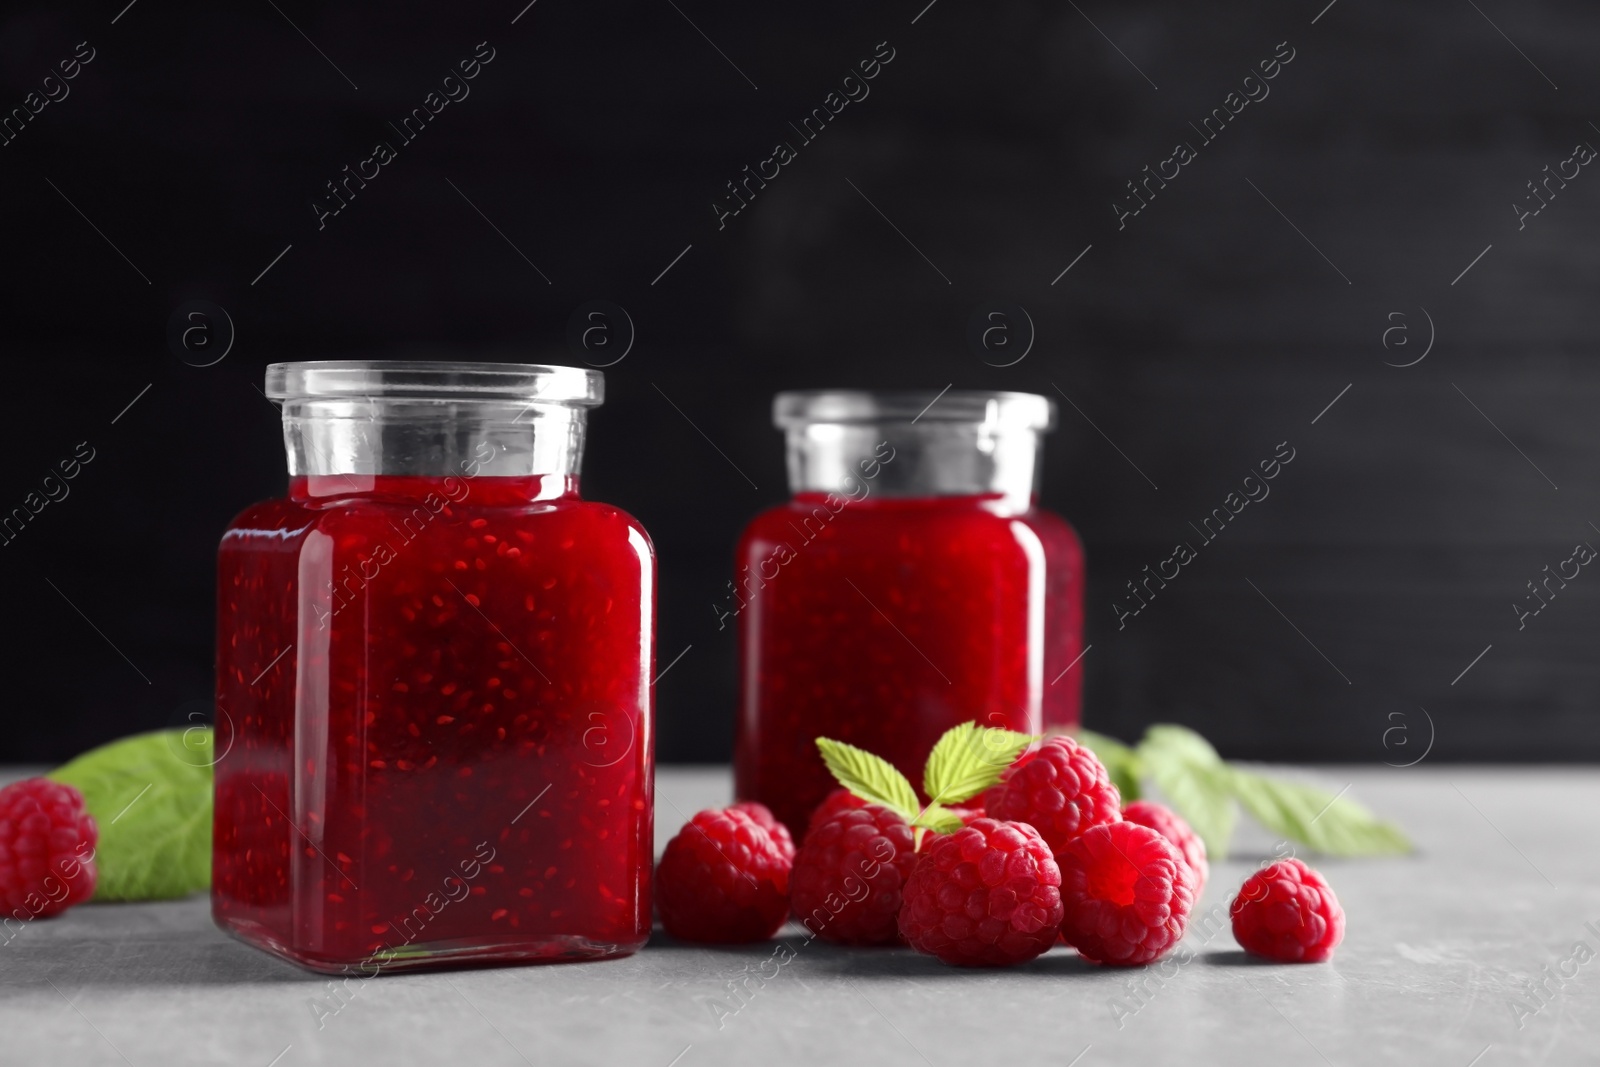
[(969, 759), (939, 819), (1188, 770), (1181, 742), (872, 778), (1327, 822), (1121, 761), (150, 796)]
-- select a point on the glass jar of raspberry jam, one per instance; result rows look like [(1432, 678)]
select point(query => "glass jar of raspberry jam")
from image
[(434, 679), (911, 584)]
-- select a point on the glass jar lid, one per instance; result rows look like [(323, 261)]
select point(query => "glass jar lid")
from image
[(423, 379), (430, 418), (989, 409), (918, 443)]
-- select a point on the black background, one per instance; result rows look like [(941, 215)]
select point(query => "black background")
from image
[(1196, 338)]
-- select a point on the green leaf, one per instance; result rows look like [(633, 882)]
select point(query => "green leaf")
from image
[(1205, 790), (1183, 742), (938, 819), (969, 759), (1327, 822), (150, 795), (1121, 761), (1194, 778), (869, 777)]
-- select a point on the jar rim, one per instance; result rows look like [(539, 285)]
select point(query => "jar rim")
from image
[(995, 409), (440, 379)]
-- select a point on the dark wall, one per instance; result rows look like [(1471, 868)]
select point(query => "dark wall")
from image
[(1222, 319)]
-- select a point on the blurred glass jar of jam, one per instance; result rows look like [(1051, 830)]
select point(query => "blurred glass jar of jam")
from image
[(911, 583), (433, 679)]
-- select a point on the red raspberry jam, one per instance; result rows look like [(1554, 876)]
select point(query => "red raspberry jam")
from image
[(435, 717), (883, 619)]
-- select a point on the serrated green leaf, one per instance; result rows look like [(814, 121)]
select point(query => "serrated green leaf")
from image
[(1193, 777), (1121, 762), (938, 819), (150, 795), (968, 759), (872, 778), (1201, 796), (1181, 741), (1327, 822)]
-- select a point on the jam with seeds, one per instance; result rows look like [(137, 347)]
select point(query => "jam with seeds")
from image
[(911, 584), (900, 619), (434, 706)]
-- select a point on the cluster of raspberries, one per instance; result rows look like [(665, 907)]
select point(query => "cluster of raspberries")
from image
[(1051, 854)]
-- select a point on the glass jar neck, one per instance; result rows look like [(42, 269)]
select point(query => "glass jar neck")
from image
[(480, 490), (347, 439), (903, 459)]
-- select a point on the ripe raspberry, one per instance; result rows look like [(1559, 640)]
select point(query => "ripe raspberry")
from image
[(849, 873), (1170, 825), (987, 895), (722, 879), (1287, 911), (1126, 892), (47, 844), (840, 799), (769, 822), (1061, 790)]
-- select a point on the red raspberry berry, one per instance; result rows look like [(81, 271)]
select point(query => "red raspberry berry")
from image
[(1126, 892), (848, 876), (840, 799), (1287, 911), (1166, 822), (1061, 790), (722, 879), (987, 895), (47, 842), (769, 822)]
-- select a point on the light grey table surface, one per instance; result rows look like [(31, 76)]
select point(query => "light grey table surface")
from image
[(1439, 946)]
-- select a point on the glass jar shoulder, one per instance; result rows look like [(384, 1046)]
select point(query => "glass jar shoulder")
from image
[(612, 523), (972, 527), (1058, 536), (278, 521), (574, 524), (563, 522)]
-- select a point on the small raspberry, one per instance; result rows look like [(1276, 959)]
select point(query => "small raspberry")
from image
[(840, 799), (1166, 822), (849, 873), (722, 879), (769, 822), (47, 842), (1126, 892), (1061, 790), (1287, 911), (987, 895)]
